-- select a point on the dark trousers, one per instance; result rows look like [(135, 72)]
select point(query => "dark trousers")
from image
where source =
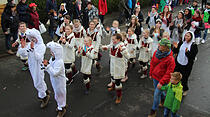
[(185, 70), (101, 18), (8, 39)]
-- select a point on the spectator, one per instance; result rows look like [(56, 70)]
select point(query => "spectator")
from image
[(152, 17), (166, 17), (22, 10), (102, 7), (161, 66), (51, 4), (34, 17), (9, 22), (53, 23), (80, 6), (92, 11), (186, 51), (139, 14)]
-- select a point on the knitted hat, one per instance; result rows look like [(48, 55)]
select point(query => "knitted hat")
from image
[(32, 5), (165, 42)]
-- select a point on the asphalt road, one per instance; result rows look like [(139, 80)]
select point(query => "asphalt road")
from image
[(18, 96)]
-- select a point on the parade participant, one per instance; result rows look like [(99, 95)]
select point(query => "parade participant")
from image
[(177, 27), (206, 20), (67, 21), (174, 95), (198, 26), (188, 19), (145, 46), (124, 37), (67, 40), (96, 42), (186, 52), (166, 18), (135, 25), (79, 32), (194, 7), (62, 12), (161, 66), (118, 53), (87, 53), (131, 45), (114, 29), (152, 17), (35, 51), (156, 34), (56, 70), (22, 35), (99, 27)]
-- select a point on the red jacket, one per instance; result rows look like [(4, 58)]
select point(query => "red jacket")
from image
[(102, 7), (161, 69), (34, 20)]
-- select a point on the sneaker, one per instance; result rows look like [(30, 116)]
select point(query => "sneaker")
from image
[(143, 76), (203, 41), (45, 101), (24, 68), (61, 113), (152, 113), (145, 68), (118, 100), (185, 93), (140, 70), (10, 52)]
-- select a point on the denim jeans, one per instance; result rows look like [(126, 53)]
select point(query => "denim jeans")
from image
[(8, 39), (167, 111), (158, 95), (205, 34)]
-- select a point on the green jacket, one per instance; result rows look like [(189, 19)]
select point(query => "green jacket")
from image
[(206, 15), (161, 6), (174, 96)]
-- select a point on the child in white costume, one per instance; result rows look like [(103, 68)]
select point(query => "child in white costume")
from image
[(96, 42), (145, 47), (79, 32), (56, 70), (35, 51), (118, 53), (87, 53), (131, 44), (67, 41)]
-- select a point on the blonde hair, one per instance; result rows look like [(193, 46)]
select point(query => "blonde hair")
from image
[(88, 38), (146, 31), (76, 21), (115, 21), (177, 76)]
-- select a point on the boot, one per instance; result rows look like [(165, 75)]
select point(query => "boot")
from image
[(124, 79), (112, 87), (45, 101), (62, 112), (119, 96), (109, 85), (152, 113)]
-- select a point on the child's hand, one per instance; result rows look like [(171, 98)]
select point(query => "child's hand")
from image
[(14, 44), (32, 44), (45, 62), (175, 44), (186, 49), (79, 49), (149, 14), (63, 41), (159, 86)]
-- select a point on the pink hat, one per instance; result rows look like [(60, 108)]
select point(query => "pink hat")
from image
[(32, 5)]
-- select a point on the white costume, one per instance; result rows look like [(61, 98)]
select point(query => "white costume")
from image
[(68, 48), (118, 64), (80, 34), (35, 58), (96, 39), (87, 54), (175, 33), (143, 45), (131, 44), (155, 43), (56, 70)]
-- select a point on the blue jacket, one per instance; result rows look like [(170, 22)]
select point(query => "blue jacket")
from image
[(22, 10)]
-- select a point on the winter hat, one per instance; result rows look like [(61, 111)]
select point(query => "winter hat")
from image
[(165, 42), (32, 5), (208, 4)]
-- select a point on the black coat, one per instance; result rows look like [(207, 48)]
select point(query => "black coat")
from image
[(51, 5), (22, 10), (53, 22), (190, 54), (140, 18), (9, 21)]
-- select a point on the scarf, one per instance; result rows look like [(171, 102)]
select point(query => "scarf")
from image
[(77, 29), (161, 55)]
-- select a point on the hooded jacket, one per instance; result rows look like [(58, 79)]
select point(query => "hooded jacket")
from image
[(22, 10)]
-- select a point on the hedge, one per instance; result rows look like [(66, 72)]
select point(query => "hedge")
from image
[(112, 6)]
